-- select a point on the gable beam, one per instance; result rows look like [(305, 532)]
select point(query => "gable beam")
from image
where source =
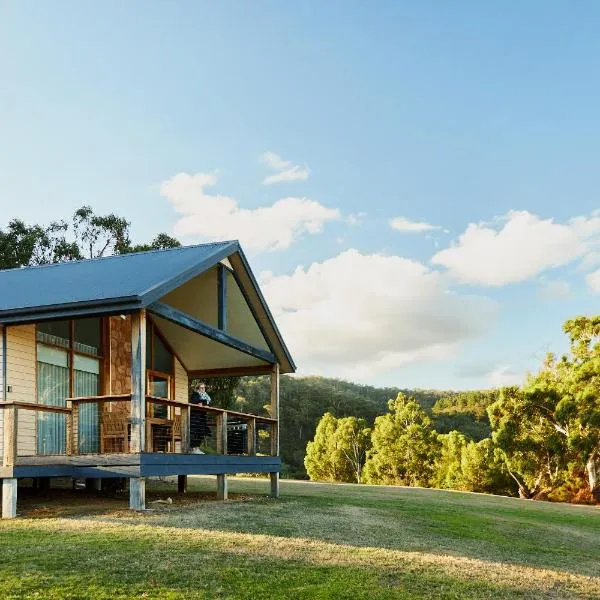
[(192, 324), (222, 296), (232, 372)]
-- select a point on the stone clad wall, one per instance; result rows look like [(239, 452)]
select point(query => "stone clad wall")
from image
[(120, 355)]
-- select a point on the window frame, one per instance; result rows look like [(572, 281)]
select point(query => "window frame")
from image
[(71, 352)]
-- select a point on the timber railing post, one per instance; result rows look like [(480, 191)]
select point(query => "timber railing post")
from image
[(74, 420), (251, 437), (185, 429), (10, 436), (137, 485), (275, 427), (70, 429), (222, 449)]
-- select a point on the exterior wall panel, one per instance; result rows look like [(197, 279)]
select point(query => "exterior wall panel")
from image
[(21, 377)]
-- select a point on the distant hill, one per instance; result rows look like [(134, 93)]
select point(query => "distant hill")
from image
[(304, 400)]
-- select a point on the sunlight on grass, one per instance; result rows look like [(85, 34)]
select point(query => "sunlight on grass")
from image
[(316, 542)]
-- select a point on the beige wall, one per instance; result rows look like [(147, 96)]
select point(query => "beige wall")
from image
[(1, 397), (181, 383), (21, 377)]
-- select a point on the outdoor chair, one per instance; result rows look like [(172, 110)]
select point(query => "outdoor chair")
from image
[(115, 428)]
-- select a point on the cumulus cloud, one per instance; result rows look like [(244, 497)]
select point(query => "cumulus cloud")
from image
[(357, 315), (218, 217), (518, 246), (494, 374), (593, 281), (551, 289), (286, 170), (505, 375), (407, 226)]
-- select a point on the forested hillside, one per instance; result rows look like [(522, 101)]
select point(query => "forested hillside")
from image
[(541, 440), (304, 400)]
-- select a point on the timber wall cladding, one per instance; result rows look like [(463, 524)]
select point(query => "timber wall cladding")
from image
[(2, 398), (21, 376), (181, 383), (120, 355)]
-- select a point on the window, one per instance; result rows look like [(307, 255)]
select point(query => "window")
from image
[(159, 368), (68, 365)]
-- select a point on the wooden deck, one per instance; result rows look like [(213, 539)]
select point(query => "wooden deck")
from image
[(144, 464)]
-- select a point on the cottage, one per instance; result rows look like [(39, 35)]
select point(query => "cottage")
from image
[(96, 357)]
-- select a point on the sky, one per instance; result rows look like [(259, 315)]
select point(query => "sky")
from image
[(415, 183)]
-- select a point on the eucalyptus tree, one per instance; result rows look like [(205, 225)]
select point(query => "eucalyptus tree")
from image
[(404, 445)]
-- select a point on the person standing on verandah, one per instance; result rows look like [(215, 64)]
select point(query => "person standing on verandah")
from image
[(199, 428)]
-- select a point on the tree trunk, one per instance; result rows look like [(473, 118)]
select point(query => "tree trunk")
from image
[(593, 471)]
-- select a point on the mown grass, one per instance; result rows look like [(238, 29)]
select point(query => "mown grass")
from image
[(317, 541)]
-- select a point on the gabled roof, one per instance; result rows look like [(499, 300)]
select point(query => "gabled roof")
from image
[(119, 284)]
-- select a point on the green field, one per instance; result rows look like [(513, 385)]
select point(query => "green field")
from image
[(317, 541)]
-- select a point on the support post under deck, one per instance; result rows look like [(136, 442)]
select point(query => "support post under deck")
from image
[(137, 485), (275, 427), (9, 498), (222, 491), (137, 493)]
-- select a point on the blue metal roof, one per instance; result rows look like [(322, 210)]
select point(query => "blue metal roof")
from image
[(114, 284), (117, 282)]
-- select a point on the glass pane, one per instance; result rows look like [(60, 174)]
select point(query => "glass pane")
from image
[(86, 364), (88, 336), (163, 359), (87, 383), (159, 387), (53, 380), (52, 389), (55, 332), (52, 356)]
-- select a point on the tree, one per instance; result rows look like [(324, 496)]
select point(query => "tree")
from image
[(464, 464), (404, 445), (483, 470), (22, 245), (87, 236), (221, 390), (533, 452), (161, 242), (565, 394), (448, 466), (338, 451), (100, 235)]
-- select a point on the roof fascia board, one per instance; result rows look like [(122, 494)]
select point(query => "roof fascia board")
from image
[(192, 324), (161, 289), (254, 283), (62, 311)]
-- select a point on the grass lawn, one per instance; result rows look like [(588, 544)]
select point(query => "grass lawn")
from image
[(317, 541)]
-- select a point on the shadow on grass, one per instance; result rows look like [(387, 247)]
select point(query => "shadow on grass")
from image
[(132, 564), (444, 523)]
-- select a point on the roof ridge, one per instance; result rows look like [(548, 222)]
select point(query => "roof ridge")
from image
[(99, 258)]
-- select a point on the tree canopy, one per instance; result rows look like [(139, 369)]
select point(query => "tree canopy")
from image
[(86, 235)]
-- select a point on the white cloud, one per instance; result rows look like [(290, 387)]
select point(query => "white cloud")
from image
[(551, 289), (593, 281), (218, 217), (355, 218), (521, 246), (286, 171), (494, 374), (505, 375), (356, 315), (407, 226)]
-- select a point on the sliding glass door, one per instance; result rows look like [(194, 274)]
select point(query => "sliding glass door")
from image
[(68, 365), (52, 389)]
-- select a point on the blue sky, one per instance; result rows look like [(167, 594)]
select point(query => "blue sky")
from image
[(478, 119)]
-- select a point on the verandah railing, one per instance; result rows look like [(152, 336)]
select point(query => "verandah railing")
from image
[(102, 425)]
